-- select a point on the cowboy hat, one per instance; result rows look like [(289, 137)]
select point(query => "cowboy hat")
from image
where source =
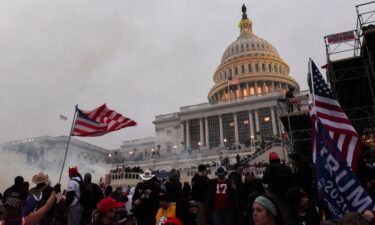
[(40, 178), (146, 175)]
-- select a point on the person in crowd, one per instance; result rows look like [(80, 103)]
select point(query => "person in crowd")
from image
[(278, 177), (220, 199), (105, 213), (73, 197), (301, 211), (302, 172), (129, 203), (38, 196), (108, 191), (266, 211), (199, 184), (14, 199), (90, 197), (145, 199), (173, 186), (186, 189), (235, 179), (289, 100), (167, 208)]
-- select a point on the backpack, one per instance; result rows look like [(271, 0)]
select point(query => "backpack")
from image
[(90, 196)]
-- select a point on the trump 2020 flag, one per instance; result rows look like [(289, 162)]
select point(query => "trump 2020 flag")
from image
[(337, 184), (99, 121), (335, 143)]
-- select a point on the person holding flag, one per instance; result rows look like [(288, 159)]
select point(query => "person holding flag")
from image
[(336, 150)]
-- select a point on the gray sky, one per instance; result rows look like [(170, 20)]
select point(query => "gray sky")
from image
[(142, 58)]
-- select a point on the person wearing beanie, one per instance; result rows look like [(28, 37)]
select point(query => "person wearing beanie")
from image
[(278, 177), (198, 192), (73, 196)]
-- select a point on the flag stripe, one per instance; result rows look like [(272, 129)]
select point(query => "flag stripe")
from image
[(326, 109), (99, 121)]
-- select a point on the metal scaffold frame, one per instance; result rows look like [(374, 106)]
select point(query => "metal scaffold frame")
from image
[(352, 77)]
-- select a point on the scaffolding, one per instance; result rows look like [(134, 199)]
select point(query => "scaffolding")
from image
[(350, 71), (297, 127)]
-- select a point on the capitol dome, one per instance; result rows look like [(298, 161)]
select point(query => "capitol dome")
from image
[(250, 66)]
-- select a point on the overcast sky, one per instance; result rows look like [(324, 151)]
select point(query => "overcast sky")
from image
[(142, 58)]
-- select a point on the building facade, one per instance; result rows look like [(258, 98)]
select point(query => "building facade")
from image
[(242, 104)]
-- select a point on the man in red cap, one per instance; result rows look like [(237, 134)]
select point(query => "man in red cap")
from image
[(106, 211), (73, 196), (278, 177)]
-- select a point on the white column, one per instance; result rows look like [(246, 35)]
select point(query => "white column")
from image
[(273, 118), (256, 88), (182, 137), (221, 131), (264, 88), (187, 134), (236, 138), (272, 85), (207, 142), (251, 124), (257, 122), (201, 140)]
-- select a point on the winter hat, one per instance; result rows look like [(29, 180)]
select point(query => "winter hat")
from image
[(220, 171), (273, 156), (147, 175)]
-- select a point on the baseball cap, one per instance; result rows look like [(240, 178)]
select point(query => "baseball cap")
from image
[(73, 170), (107, 204), (220, 171), (273, 156)]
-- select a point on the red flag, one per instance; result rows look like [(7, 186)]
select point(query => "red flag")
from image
[(99, 121)]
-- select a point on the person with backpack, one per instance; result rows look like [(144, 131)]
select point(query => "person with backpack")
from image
[(73, 196), (90, 197), (38, 196), (14, 199)]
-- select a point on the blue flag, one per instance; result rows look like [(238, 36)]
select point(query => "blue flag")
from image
[(337, 184)]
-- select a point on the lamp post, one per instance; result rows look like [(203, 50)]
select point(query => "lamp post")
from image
[(175, 149), (199, 146), (225, 142)]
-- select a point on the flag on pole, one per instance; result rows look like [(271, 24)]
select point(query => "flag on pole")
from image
[(62, 117), (336, 148), (337, 184), (326, 108), (232, 82), (99, 121)]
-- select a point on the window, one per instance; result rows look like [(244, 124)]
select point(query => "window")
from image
[(243, 126), (244, 92), (269, 68), (250, 68), (243, 69), (259, 90), (236, 70), (265, 123), (225, 74), (257, 67), (275, 68), (252, 91), (214, 131), (230, 72), (228, 130), (263, 67)]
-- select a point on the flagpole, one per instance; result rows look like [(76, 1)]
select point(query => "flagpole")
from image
[(312, 83), (67, 146)]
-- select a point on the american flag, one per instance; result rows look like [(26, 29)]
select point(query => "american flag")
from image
[(325, 108), (99, 121)]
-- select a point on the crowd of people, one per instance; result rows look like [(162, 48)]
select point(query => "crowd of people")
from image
[(285, 195)]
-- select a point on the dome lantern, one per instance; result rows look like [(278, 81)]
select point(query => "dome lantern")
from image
[(246, 25)]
